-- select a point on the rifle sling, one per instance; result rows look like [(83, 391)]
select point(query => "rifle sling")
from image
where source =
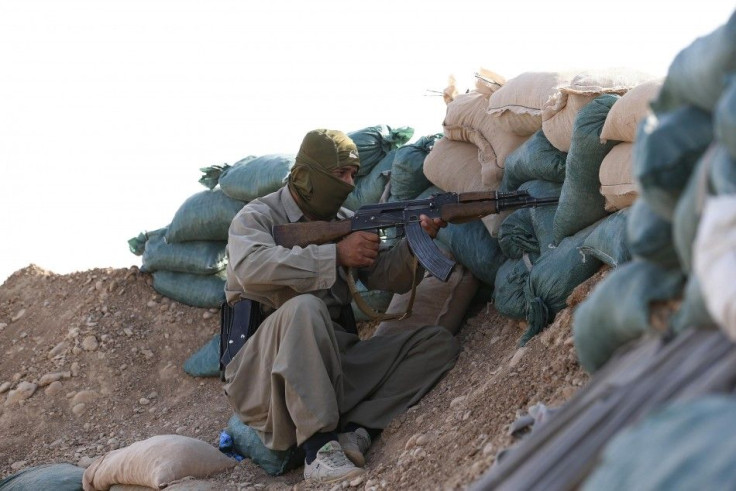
[(369, 311)]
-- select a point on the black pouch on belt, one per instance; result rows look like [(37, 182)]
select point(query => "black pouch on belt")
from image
[(237, 324)]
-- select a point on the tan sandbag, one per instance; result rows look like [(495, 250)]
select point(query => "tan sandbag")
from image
[(437, 303), (454, 166), (617, 179), (714, 261), (155, 462), (518, 104), (451, 90), (626, 113), (488, 82), (560, 110), (493, 222)]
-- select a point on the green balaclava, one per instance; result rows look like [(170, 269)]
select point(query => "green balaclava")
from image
[(318, 192)]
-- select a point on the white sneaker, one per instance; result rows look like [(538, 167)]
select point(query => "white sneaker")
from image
[(355, 444), (331, 465)]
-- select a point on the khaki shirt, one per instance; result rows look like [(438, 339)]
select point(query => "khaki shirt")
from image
[(260, 270)]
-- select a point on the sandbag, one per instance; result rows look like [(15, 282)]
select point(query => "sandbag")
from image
[(205, 362), (137, 244), (553, 277), (407, 174), (649, 236), (251, 178), (375, 142), (543, 217), (203, 216), (561, 109), (618, 309), (629, 111), (155, 462), (534, 159), (697, 75), (684, 445), (378, 300), (203, 257), (516, 234), (607, 242), (518, 103), (581, 203), (617, 178), (454, 166), (724, 119), (247, 443), (436, 303), (538, 189), (56, 477), (508, 290), (714, 261), (692, 311), (667, 148), (487, 81), (472, 246), (191, 289), (370, 188)]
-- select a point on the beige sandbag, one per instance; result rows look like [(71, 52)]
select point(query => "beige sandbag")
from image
[(437, 303), (559, 112), (626, 113), (518, 104), (155, 462), (451, 90), (714, 260), (617, 179), (493, 222), (467, 120), (454, 166), (488, 82)]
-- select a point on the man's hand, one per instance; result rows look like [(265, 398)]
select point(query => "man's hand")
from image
[(358, 250), (432, 226)]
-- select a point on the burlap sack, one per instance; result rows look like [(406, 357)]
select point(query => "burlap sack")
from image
[(155, 462), (518, 104), (487, 82), (560, 110), (454, 166), (617, 180), (629, 111), (437, 303)]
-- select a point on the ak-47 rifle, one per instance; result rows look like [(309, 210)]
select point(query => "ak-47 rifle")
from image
[(450, 207)]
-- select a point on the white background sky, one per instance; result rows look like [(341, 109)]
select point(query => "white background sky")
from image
[(108, 108)]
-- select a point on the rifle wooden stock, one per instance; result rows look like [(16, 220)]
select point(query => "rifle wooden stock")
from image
[(304, 233), (467, 211)]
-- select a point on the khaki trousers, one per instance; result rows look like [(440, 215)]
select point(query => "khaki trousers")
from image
[(301, 373)]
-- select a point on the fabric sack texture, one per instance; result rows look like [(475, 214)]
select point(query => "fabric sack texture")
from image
[(692, 311), (618, 310), (375, 142), (649, 236), (534, 159), (207, 291), (697, 75), (581, 203), (251, 178), (203, 216), (518, 104), (516, 235), (608, 241), (618, 186), (487, 81), (508, 290), (472, 246), (629, 111), (724, 119), (205, 362), (666, 151), (370, 188), (195, 257), (56, 477), (454, 166), (155, 462), (246, 442), (407, 171)]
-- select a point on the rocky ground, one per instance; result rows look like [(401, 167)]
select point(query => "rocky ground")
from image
[(92, 361)]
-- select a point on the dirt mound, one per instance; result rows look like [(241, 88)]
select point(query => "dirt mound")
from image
[(92, 361)]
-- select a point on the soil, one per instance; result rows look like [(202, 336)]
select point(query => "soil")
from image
[(92, 361)]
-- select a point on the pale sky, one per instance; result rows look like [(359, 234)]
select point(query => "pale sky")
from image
[(108, 108)]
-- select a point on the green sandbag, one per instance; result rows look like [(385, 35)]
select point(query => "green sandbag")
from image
[(196, 257), (581, 203), (724, 119), (649, 236), (212, 173), (722, 171), (375, 142), (203, 216), (251, 178), (371, 187), (247, 443), (553, 278), (534, 159), (407, 171), (137, 245), (692, 312), (684, 445), (205, 362), (56, 477), (508, 290), (665, 154), (191, 289), (516, 234), (378, 300), (472, 246), (543, 217), (697, 75), (617, 310), (608, 241)]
